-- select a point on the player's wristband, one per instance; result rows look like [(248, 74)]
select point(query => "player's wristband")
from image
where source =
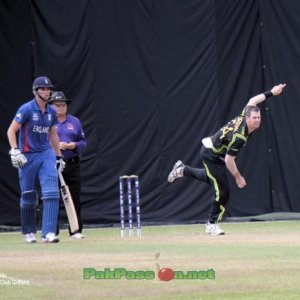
[(268, 94), (59, 157), (12, 149)]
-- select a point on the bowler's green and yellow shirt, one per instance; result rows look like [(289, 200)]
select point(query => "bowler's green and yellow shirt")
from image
[(230, 138)]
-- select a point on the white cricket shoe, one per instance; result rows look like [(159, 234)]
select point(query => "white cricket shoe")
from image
[(213, 229), (177, 171), (30, 238), (50, 238), (77, 236)]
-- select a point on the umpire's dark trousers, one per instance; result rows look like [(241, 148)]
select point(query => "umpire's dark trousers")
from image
[(214, 173)]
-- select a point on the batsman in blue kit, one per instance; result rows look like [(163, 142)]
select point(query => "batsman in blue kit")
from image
[(37, 157)]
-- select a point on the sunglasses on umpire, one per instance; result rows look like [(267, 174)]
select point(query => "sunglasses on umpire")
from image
[(60, 104)]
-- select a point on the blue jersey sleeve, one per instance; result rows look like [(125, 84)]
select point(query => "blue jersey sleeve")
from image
[(81, 142), (22, 115)]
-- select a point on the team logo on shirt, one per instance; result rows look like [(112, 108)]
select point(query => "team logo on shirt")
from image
[(35, 117), (70, 126)]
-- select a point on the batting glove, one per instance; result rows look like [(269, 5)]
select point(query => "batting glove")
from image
[(18, 159), (60, 163)]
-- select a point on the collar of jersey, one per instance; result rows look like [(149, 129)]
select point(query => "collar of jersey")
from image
[(36, 106)]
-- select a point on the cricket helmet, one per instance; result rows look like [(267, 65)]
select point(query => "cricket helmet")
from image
[(41, 82)]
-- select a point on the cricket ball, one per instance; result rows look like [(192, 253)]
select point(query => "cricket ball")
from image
[(165, 274)]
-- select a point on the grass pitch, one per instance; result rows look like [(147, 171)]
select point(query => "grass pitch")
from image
[(252, 261)]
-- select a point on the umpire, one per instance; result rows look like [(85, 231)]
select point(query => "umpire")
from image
[(71, 142)]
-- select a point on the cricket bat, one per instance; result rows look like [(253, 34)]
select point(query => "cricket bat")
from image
[(68, 202)]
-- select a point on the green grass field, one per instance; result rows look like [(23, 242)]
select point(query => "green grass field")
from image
[(252, 261)]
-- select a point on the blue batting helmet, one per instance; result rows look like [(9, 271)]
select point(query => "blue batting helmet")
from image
[(42, 82)]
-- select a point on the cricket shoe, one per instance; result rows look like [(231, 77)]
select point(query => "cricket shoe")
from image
[(50, 238), (30, 238), (177, 171), (214, 229), (77, 236)]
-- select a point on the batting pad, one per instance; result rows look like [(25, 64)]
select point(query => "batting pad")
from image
[(50, 190), (28, 211), (50, 196), (50, 215)]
